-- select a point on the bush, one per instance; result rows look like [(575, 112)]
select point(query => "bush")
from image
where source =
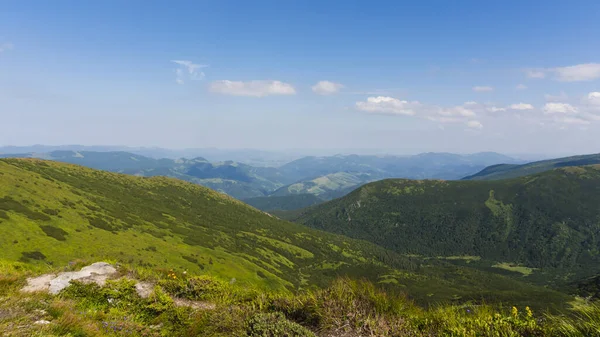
[(276, 325), (54, 232), (207, 288), (35, 255)]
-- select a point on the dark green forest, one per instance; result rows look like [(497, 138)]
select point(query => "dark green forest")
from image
[(548, 222)]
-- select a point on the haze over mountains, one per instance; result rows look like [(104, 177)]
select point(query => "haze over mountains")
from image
[(506, 171), (322, 177)]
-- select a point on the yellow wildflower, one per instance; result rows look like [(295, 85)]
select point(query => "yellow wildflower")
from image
[(529, 312), (515, 312)]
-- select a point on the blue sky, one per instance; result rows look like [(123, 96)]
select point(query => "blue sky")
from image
[(464, 76)]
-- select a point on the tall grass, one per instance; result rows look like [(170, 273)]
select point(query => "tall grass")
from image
[(346, 308)]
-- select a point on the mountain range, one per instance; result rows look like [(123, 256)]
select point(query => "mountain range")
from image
[(543, 227), (433, 257), (325, 178), (506, 171), (52, 213)]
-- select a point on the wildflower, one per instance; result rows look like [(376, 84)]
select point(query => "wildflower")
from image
[(515, 312), (529, 312)]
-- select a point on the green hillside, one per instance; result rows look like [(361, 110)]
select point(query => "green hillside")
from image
[(542, 228), (328, 186), (507, 171), (53, 213), (233, 178), (325, 177)]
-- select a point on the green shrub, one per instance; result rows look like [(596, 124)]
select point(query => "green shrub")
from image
[(276, 325), (54, 232), (51, 211), (35, 255), (207, 288)]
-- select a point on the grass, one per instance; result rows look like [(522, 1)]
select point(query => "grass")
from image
[(152, 222), (214, 307), (525, 271)]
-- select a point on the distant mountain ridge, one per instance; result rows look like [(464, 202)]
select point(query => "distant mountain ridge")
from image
[(236, 179), (324, 177), (507, 171)]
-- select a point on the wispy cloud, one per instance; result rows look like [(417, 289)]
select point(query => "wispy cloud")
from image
[(6, 47), (556, 98), (326, 88), (521, 106), (559, 108), (575, 73), (535, 73), (257, 88), (475, 124), (580, 72), (393, 106), (188, 70), (388, 105), (474, 115), (521, 87), (483, 89), (593, 98)]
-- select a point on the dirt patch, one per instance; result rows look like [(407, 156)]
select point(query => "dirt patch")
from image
[(199, 305)]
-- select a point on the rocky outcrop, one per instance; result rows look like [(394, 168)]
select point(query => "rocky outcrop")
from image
[(97, 273)]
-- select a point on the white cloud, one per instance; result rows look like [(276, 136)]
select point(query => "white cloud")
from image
[(521, 87), (474, 124), (388, 105), (482, 89), (257, 88), (559, 108), (593, 98), (461, 111), (326, 88), (580, 72), (521, 106), (576, 73), (193, 71), (474, 114), (535, 73), (6, 47)]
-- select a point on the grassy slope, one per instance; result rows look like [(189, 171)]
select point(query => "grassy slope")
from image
[(52, 213), (549, 221), (236, 179), (346, 308), (327, 185), (507, 171)]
